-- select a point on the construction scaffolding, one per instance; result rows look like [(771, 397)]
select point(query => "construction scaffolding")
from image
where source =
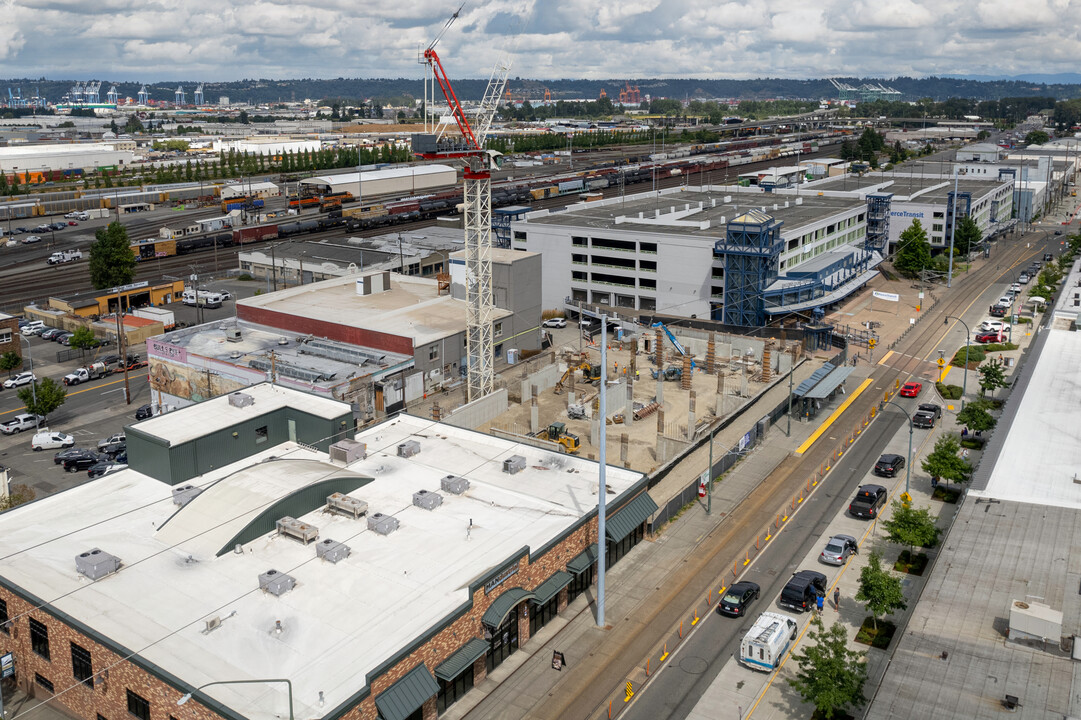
[(751, 251)]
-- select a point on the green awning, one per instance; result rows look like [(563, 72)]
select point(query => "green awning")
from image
[(465, 656), (404, 697), (629, 517), (551, 587), (583, 561), (493, 616)]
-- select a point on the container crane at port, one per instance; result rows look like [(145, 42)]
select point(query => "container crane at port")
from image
[(477, 193)]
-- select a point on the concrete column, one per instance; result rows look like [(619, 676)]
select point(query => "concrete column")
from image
[(624, 443), (660, 422), (685, 379), (534, 411), (719, 412), (767, 362), (628, 407), (658, 353), (570, 397), (436, 412), (660, 388), (711, 354), (690, 415)]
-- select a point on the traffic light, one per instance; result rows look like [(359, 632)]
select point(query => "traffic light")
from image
[(871, 343)]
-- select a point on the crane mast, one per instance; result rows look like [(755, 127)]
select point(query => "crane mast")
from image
[(477, 194)]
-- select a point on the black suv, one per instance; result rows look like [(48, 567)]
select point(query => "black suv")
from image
[(82, 462), (868, 501), (802, 591), (889, 465)]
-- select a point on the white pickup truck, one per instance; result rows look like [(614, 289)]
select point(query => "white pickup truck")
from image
[(64, 256), (83, 374), (24, 421)]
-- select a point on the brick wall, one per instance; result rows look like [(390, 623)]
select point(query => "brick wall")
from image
[(10, 337), (321, 328)]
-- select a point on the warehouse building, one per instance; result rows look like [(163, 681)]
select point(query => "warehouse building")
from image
[(410, 180), (269, 145), (378, 340), (250, 189), (76, 156), (254, 541), (735, 255)]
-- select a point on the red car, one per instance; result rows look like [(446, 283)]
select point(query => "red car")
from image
[(989, 337), (911, 389), (72, 223)]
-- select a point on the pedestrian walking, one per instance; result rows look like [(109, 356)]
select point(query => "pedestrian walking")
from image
[(964, 433), (837, 599), (821, 601)]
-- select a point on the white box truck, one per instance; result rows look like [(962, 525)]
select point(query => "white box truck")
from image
[(765, 644), (165, 317)]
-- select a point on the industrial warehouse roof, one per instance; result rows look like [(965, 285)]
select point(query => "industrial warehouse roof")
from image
[(411, 308), (376, 175), (905, 188), (342, 621), (217, 413), (695, 212)]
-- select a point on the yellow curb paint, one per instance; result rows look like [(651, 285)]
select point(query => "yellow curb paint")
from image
[(833, 416)]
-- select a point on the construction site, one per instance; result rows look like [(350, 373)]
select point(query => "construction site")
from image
[(666, 390)]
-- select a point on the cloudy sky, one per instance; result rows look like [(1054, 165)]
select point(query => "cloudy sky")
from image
[(143, 40)]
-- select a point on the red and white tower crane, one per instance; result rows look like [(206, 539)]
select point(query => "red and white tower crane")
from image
[(477, 193)]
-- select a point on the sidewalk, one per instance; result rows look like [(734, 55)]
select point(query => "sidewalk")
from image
[(522, 685), (18, 704)]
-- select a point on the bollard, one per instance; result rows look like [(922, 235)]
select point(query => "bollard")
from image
[(800, 497), (748, 560), (735, 572), (647, 667), (609, 708), (709, 598), (784, 519), (768, 536), (664, 655), (777, 522), (756, 543), (630, 691), (680, 629), (696, 618)]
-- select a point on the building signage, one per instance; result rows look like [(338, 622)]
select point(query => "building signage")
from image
[(166, 351), (7, 665), (125, 288), (906, 214), (892, 297), (501, 578), (745, 441), (558, 661)]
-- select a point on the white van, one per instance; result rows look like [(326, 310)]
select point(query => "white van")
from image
[(765, 644), (206, 298)]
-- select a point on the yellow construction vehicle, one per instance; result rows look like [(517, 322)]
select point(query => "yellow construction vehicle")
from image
[(557, 433), (590, 373)]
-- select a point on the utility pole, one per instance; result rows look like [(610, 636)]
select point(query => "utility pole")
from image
[(121, 351), (603, 478)]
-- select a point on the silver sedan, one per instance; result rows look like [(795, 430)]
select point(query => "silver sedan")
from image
[(838, 549)]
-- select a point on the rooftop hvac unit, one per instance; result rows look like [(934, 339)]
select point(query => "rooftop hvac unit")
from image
[(232, 335), (409, 448), (239, 399), (294, 528), (342, 504), (184, 494), (427, 500), (276, 583), (454, 484), (344, 452), (514, 464), (332, 550), (382, 524), (96, 563)]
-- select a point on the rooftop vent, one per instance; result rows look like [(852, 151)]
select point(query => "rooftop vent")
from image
[(344, 452), (276, 583), (232, 334), (514, 464), (454, 484), (427, 500), (239, 399), (332, 550), (294, 528), (342, 504), (382, 524), (235, 355), (184, 494), (96, 563), (409, 448), (283, 341)]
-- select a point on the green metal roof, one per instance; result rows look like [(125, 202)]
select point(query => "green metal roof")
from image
[(402, 699), (493, 616), (465, 656), (550, 587), (630, 516), (582, 562)]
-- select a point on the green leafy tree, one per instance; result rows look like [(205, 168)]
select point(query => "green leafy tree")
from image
[(83, 338), (1036, 137), (967, 236), (975, 416), (880, 590), (10, 361), (17, 495), (912, 527), (112, 262), (45, 396), (913, 252), (992, 376), (830, 676), (945, 462), (134, 125)]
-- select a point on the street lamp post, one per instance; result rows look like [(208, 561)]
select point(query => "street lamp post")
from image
[(968, 342), (953, 228), (908, 460), (187, 696), (34, 382)]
